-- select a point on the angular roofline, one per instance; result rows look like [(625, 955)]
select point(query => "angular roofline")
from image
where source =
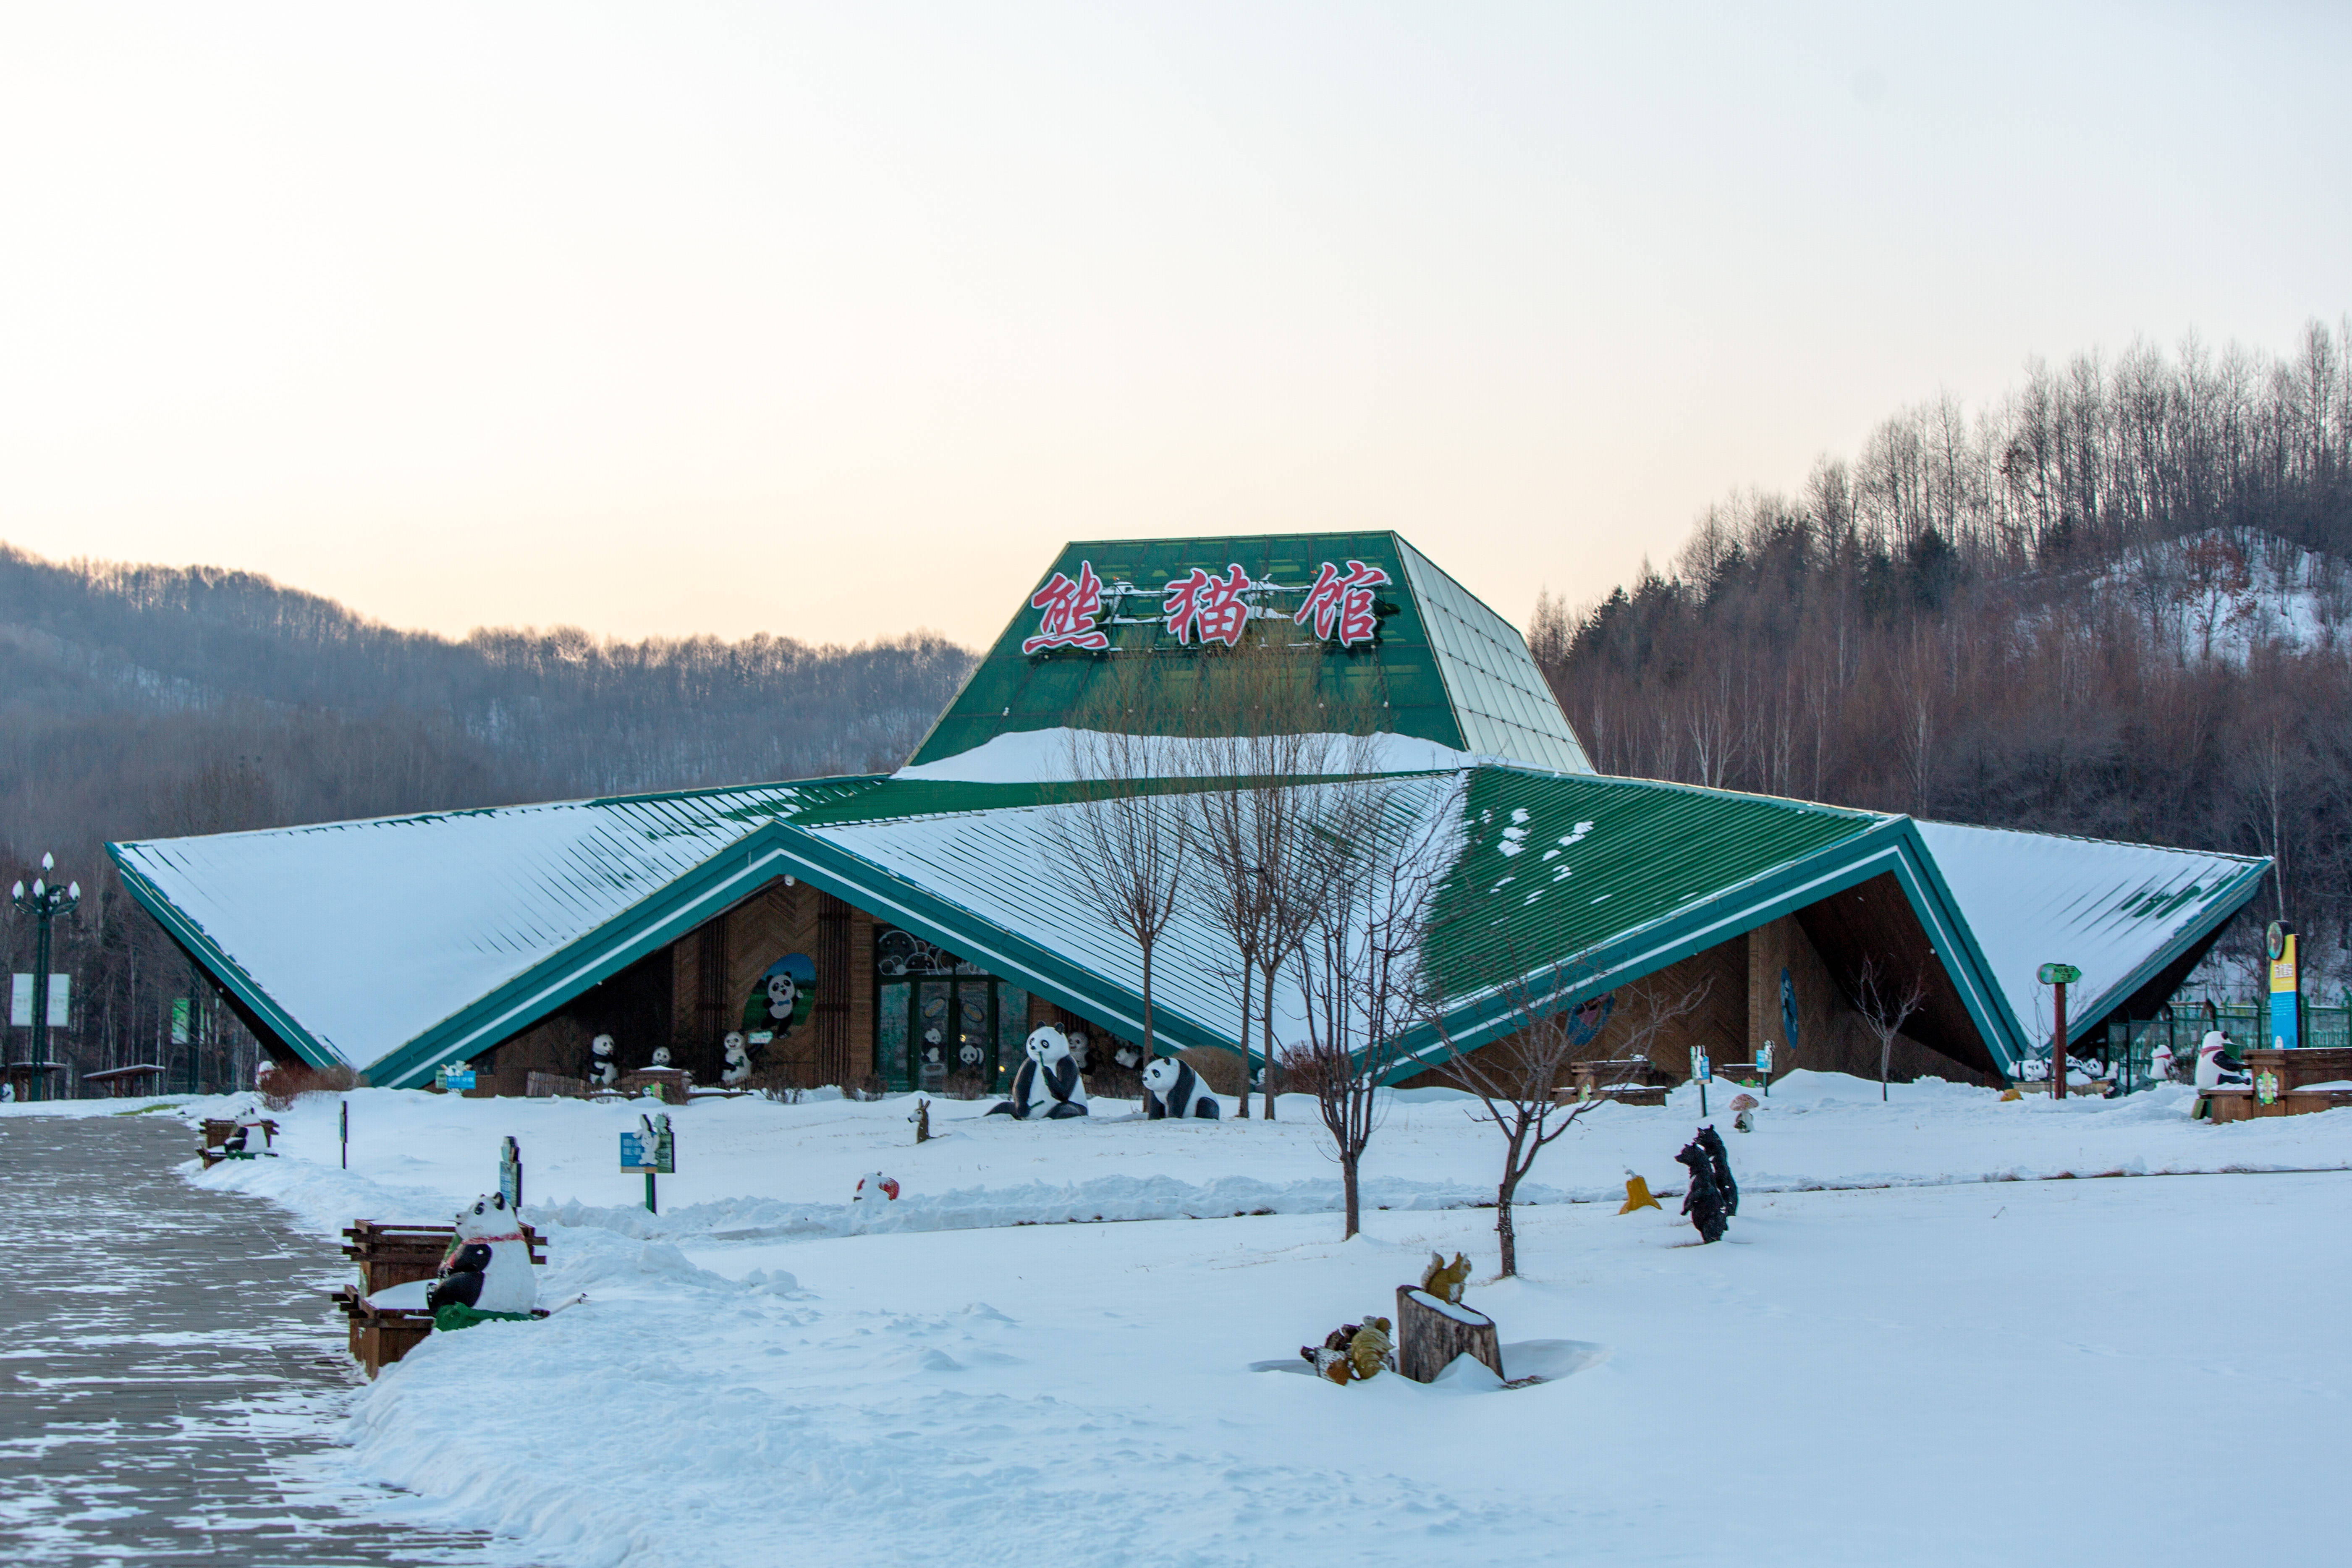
[(1891, 845), (226, 971), (516, 808)]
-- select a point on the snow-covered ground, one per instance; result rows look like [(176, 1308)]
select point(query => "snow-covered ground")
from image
[(1906, 1351)]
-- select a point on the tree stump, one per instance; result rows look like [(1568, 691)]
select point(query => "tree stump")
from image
[(1431, 1334)]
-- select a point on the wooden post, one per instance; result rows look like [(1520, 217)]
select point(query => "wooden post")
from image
[(2058, 1048), (1431, 1334)]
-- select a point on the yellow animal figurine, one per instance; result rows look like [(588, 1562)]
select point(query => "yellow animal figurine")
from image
[(1637, 1195), (1444, 1280), (1369, 1350)]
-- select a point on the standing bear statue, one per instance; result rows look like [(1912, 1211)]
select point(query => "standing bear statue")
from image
[(1047, 1088)]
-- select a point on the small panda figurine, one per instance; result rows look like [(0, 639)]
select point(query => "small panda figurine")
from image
[(1129, 1056), (1171, 1088), (738, 1070), (661, 1056), (602, 1072), (1047, 1086), (488, 1266)]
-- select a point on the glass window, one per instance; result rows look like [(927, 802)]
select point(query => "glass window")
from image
[(932, 1043), (1012, 1027), (890, 1032)]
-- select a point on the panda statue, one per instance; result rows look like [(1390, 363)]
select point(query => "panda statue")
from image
[(738, 1070), (488, 1266), (604, 1072), (1047, 1086), (1172, 1089), (661, 1056)]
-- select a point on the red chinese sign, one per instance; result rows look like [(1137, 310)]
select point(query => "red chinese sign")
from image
[(1205, 609), (1341, 605), (1070, 611)]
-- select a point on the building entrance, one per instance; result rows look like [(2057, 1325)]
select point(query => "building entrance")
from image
[(939, 1018)]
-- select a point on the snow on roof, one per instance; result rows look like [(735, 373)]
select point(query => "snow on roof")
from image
[(2119, 912), (992, 864), (365, 934), (1044, 756)]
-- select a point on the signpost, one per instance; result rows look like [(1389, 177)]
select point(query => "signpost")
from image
[(346, 1130), (454, 1078), (2286, 986), (1764, 1065), (1702, 1070), (651, 1148), (510, 1173), (2059, 975)]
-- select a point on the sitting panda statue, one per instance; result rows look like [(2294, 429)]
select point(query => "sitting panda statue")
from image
[(1171, 1088), (738, 1070), (489, 1264), (661, 1056), (1047, 1086), (603, 1070)]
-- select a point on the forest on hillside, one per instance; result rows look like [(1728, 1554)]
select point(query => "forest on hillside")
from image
[(2113, 604), (144, 702)]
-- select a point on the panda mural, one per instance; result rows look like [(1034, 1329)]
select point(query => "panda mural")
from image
[(1172, 1089), (783, 1000), (488, 1266), (1047, 1088)]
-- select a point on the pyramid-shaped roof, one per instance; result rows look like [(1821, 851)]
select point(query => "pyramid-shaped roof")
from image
[(1406, 640)]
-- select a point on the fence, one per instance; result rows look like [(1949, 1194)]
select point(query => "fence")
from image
[(2131, 1043)]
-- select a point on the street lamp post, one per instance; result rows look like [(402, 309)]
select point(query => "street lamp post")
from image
[(43, 903)]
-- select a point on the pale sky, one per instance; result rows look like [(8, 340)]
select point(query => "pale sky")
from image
[(837, 322)]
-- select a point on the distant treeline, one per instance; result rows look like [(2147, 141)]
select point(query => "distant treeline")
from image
[(140, 701), (2114, 603)]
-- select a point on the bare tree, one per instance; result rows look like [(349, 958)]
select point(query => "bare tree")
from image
[(1120, 843), (1885, 1005), (1255, 871), (1647, 1008), (1517, 1079), (1383, 845)]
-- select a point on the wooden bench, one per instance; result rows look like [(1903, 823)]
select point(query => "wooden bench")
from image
[(219, 1131), (675, 1083), (1633, 1082), (390, 1254)]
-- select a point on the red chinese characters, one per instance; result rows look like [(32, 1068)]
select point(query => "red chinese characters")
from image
[(1070, 611), (1206, 608), (1341, 603)]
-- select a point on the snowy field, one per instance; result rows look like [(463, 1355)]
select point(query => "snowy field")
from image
[(1908, 1349)]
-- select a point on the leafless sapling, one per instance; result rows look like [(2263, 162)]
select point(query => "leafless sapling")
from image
[(1885, 1003), (1359, 969)]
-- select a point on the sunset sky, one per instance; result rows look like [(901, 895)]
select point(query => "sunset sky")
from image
[(837, 322)]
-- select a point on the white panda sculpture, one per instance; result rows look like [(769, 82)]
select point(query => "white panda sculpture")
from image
[(738, 1070), (603, 1070), (1047, 1088), (489, 1265), (661, 1056), (1172, 1089)]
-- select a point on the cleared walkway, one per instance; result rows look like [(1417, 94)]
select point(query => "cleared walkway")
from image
[(170, 1372)]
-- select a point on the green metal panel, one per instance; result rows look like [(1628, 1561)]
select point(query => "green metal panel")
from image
[(1553, 863), (1445, 667)]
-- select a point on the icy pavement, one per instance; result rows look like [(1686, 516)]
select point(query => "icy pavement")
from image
[(170, 1382)]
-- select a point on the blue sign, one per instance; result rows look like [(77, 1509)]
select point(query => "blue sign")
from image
[(454, 1077)]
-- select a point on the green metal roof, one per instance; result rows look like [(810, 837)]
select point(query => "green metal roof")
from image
[(1443, 666), (366, 943)]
